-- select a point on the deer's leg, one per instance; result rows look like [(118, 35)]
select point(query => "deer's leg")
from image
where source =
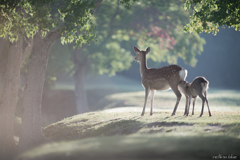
[(152, 98), (203, 101), (178, 94), (147, 89), (209, 112), (194, 100)]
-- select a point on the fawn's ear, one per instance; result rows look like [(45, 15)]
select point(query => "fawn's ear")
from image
[(136, 49), (147, 50)]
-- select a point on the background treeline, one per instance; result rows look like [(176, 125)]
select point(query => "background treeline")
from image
[(219, 62)]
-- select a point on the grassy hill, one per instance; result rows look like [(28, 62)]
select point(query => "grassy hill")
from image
[(119, 132)]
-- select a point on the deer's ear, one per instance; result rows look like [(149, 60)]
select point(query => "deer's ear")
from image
[(148, 50), (136, 49)]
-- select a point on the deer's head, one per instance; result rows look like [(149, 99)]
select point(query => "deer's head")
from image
[(140, 54)]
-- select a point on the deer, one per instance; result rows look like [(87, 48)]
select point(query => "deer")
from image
[(159, 78), (198, 87)]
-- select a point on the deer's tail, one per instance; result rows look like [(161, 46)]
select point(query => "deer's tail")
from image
[(183, 74)]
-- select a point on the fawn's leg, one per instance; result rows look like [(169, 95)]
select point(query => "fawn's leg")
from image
[(194, 100), (189, 103), (147, 89), (209, 112), (178, 94), (152, 98), (186, 106)]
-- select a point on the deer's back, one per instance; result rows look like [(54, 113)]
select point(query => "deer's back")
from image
[(160, 74), (199, 83), (199, 80), (158, 78)]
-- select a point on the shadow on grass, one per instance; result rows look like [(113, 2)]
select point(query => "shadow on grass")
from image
[(139, 147), (113, 127), (119, 127), (168, 124), (74, 130)]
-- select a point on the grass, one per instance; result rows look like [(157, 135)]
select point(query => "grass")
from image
[(138, 147), (127, 121), (119, 132)]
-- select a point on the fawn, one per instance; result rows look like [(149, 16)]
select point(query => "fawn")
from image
[(198, 87), (159, 79)]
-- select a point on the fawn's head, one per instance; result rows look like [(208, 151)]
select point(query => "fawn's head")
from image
[(140, 54), (184, 84)]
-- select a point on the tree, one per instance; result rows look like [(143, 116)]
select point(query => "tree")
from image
[(73, 22), (208, 15)]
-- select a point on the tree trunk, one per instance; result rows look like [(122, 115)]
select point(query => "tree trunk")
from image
[(80, 64), (3, 59), (31, 133), (3, 42), (8, 100), (80, 93)]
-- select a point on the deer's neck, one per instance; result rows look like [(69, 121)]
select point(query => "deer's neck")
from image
[(143, 65)]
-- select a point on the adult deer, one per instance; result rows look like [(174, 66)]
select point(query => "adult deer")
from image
[(198, 87), (159, 79)]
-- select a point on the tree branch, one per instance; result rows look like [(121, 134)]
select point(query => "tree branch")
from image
[(96, 6), (193, 7), (52, 36)]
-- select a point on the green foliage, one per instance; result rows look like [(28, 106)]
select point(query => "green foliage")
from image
[(127, 3), (77, 24), (209, 15), (71, 18), (158, 24), (111, 59), (187, 46), (23, 17), (109, 55)]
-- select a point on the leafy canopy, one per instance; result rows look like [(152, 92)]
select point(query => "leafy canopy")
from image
[(209, 15), (70, 18), (23, 17)]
